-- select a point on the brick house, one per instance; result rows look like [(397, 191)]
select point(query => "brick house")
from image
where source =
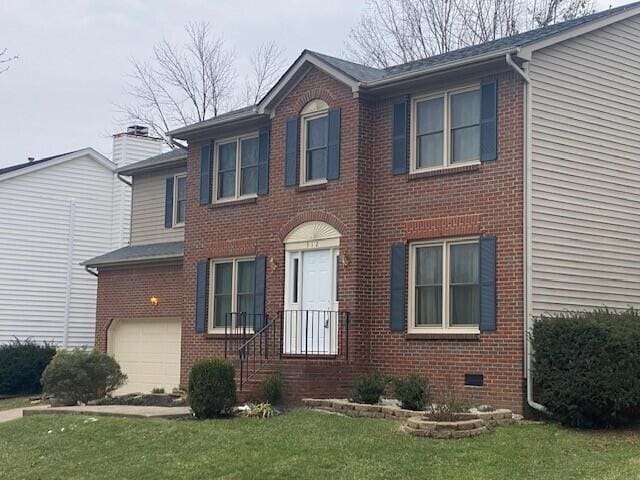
[(409, 219)]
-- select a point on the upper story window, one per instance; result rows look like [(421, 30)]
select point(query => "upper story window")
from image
[(445, 129), (314, 142), (444, 285), (236, 167), (180, 200)]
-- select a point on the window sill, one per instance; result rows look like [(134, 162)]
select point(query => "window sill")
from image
[(310, 187), (444, 335), (470, 167), (231, 203), (220, 335)]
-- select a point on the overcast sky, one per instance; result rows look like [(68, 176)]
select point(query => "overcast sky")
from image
[(74, 57)]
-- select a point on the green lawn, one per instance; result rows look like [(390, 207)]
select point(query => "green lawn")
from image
[(302, 444), (16, 402)]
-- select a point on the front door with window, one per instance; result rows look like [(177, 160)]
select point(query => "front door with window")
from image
[(311, 317)]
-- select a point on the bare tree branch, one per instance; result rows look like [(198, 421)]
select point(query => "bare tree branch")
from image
[(398, 31), (181, 84), (5, 59), (267, 64)]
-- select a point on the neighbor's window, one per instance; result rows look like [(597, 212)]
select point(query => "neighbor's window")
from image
[(237, 167), (446, 129), (444, 284), (180, 197), (232, 292), (315, 140)]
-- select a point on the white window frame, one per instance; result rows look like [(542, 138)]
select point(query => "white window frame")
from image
[(321, 110), (177, 224), (445, 328), (212, 328), (446, 133), (216, 164)]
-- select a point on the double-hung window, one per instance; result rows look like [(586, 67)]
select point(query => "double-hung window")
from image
[(444, 285), (315, 142), (446, 129), (236, 162), (233, 292), (180, 200)]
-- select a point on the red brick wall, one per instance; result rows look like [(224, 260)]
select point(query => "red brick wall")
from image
[(124, 293), (482, 200), (258, 228)]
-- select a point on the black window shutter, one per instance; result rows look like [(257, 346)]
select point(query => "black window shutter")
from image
[(398, 287), (333, 145), (489, 120), (206, 170), (168, 203), (291, 152), (263, 162), (400, 138), (259, 291), (487, 284), (202, 295)]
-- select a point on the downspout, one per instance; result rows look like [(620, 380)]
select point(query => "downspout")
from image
[(71, 238), (524, 74)]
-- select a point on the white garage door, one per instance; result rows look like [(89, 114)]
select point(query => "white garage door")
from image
[(148, 351)]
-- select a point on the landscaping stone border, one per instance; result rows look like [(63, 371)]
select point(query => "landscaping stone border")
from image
[(352, 409), (467, 425)]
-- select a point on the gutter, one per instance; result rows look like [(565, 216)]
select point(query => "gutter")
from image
[(88, 270), (123, 180), (528, 307)]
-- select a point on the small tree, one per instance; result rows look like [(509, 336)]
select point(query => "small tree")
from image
[(5, 59)]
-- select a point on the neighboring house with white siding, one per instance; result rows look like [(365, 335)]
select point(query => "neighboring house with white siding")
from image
[(56, 212)]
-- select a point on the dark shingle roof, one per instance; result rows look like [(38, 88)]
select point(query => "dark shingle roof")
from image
[(20, 166), (138, 254), (357, 71), (156, 161)]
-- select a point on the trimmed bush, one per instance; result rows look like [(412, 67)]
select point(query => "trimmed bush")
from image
[(412, 391), (368, 388), (212, 388), (587, 366), (272, 388), (81, 375), (21, 366)]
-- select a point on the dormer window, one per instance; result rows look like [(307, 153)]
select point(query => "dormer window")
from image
[(314, 142)]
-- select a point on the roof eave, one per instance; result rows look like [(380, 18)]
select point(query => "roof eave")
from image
[(414, 74), (133, 261), (129, 170), (184, 133)]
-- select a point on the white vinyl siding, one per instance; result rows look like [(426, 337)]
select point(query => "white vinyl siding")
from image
[(147, 213), (34, 258), (586, 171)]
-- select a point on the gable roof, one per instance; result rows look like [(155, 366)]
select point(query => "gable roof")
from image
[(165, 159), (359, 76), (28, 167)]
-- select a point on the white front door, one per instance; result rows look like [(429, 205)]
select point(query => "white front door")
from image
[(311, 319)]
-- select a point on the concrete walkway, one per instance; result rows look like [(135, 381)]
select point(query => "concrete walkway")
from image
[(129, 411), (7, 415)]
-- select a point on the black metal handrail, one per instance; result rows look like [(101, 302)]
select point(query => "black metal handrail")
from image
[(238, 327), (255, 352), (314, 333)]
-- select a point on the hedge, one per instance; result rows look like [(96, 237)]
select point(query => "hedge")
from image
[(21, 366), (212, 388), (586, 366)]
